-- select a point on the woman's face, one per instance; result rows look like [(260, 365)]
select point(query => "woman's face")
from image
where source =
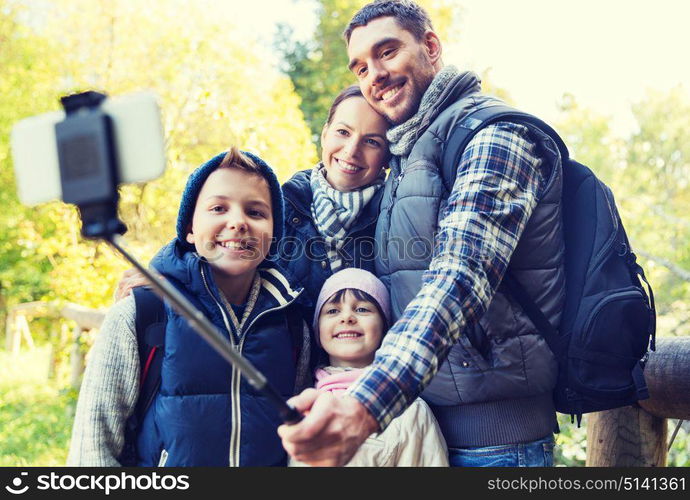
[(354, 145)]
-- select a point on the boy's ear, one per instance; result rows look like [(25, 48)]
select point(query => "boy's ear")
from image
[(190, 235)]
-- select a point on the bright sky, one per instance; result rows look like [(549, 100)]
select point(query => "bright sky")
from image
[(604, 52)]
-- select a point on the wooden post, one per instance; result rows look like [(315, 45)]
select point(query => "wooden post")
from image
[(24, 330), (626, 437), (76, 359), (9, 320), (636, 436)]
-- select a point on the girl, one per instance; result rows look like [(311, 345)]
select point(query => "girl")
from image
[(352, 314)]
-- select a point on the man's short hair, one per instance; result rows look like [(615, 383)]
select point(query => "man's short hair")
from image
[(408, 15)]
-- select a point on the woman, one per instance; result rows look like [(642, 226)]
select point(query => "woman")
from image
[(331, 209)]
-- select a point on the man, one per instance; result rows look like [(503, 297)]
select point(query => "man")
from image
[(492, 397)]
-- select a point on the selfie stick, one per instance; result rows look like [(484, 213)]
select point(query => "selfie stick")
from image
[(87, 128)]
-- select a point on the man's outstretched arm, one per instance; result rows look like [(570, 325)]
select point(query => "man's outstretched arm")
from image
[(493, 197)]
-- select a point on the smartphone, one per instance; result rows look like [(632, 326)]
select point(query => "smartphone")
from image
[(139, 145)]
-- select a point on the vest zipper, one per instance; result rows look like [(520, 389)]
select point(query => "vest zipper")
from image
[(234, 457), (269, 311)]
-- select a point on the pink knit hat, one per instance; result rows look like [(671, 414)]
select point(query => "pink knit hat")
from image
[(357, 279)]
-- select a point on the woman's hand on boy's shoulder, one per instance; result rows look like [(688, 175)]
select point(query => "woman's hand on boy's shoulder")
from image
[(332, 430), (131, 278)]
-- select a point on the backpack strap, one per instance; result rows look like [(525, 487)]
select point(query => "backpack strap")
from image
[(461, 135), (465, 130), (532, 310), (150, 325)]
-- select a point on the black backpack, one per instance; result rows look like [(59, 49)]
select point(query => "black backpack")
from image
[(150, 328), (608, 321)]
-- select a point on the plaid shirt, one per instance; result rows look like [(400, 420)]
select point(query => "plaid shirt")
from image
[(496, 189)]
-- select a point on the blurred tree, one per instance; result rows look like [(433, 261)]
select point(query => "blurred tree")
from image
[(648, 173), (216, 87), (318, 67), (25, 82)]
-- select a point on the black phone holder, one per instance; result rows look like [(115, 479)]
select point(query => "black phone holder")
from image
[(90, 180), (88, 164)]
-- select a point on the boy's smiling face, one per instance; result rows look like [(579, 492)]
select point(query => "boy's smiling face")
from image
[(232, 226)]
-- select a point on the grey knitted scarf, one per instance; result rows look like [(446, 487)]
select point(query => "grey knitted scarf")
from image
[(402, 137), (336, 211)]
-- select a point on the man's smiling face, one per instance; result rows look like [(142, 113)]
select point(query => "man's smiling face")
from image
[(393, 68)]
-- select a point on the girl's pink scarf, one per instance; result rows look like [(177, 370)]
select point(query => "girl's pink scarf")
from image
[(337, 383)]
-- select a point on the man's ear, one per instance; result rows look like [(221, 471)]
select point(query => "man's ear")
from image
[(433, 47)]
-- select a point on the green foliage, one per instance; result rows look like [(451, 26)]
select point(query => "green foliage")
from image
[(318, 67), (35, 414), (679, 454), (570, 443), (657, 172), (648, 173), (215, 88)]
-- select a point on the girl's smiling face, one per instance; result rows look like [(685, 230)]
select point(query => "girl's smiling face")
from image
[(350, 329), (354, 145)]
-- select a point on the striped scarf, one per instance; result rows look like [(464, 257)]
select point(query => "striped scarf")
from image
[(335, 211)]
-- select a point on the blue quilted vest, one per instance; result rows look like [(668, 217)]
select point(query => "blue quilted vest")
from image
[(204, 414)]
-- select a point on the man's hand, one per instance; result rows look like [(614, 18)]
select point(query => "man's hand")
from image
[(131, 278), (332, 430)]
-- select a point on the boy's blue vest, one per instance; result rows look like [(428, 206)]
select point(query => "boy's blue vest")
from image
[(302, 252), (204, 414)]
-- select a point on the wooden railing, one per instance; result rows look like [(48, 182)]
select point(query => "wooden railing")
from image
[(636, 436), (85, 319)]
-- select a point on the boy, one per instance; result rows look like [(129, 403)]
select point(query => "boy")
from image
[(203, 414)]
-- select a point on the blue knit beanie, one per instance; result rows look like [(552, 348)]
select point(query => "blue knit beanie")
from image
[(196, 181)]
